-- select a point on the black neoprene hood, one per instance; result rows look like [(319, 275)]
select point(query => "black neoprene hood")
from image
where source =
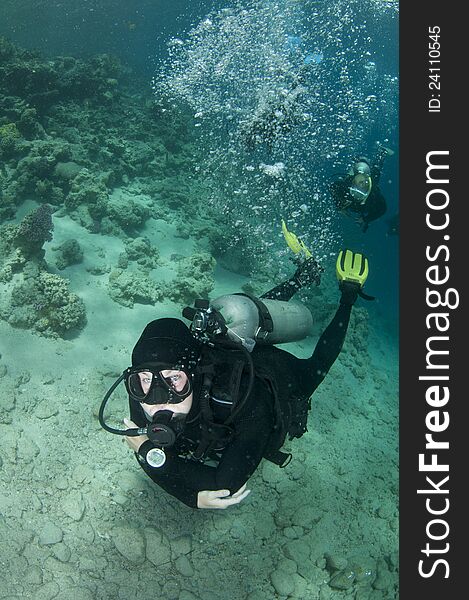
[(167, 341)]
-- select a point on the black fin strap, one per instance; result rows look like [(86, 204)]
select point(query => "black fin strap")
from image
[(365, 296), (282, 459)]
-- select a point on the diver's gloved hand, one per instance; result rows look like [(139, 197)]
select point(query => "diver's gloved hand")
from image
[(385, 150), (352, 272), (308, 272)]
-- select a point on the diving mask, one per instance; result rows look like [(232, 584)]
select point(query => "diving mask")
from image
[(361, 188), (151, 384)]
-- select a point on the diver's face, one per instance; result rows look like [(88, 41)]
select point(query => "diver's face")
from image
[(178, 380), (361, 182)]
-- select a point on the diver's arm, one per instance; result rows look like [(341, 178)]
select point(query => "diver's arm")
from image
[(378, 163), (352, 273), (329, 345), (185, 479)]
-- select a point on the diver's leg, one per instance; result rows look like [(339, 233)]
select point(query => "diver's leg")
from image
[(308, 272), (284, 291)]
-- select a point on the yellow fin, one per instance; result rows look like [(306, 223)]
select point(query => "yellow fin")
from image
[(295, 244), (352, 266)]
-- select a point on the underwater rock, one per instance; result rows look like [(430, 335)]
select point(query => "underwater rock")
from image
[(342, 580), (335, 562), (256, 595), (293, 533), (184, 566), (98, 269), (47, 591), (264, 527), (44, 410), (307, 515), (271, 474), (187, 595), (130, 543), (158, 550), (384, 578), (298, 551), (87, 189), (74, 506), (181, 545), (62, 552), (127, 288), (77, 593), (50, 534), (283, 582), (33, 575), (68, 253), (27, 450)]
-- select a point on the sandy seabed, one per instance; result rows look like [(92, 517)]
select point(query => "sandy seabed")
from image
[(80, 520)]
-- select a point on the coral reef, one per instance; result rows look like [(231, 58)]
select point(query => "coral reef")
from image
[(127, 217), (33, 231), (141, 251), (31, 297), (194, 278), (68, 253), (43, 303), (127, 288), (72, 131), (41, 83), (26, 240), (9, 140)]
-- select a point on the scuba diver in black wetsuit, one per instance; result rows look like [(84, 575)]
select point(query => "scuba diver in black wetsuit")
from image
[(358, 193), (209, 401)]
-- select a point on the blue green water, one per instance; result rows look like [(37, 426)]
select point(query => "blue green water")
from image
[(148, 170)]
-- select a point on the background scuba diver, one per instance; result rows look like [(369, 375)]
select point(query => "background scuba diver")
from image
[(213, 409), (358, 192), (274, 118)]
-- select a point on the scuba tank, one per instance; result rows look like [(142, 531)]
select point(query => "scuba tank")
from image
[(249, 320)]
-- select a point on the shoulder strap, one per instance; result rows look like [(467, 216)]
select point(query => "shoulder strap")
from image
[(266, 325)]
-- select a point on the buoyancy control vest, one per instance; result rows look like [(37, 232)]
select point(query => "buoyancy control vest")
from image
[(226, 383), (239, 322)]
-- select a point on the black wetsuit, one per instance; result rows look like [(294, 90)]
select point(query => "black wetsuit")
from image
[(375, 205), (295, 380)]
